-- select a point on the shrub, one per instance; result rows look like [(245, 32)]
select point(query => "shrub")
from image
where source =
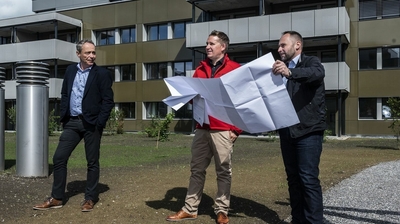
[(53, 123), (12, 115), (159, 128), (394, 105), (115, 123)]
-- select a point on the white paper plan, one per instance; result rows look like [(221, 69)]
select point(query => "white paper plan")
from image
[(249, 97)]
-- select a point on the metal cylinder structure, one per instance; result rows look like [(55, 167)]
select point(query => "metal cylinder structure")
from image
[(2, 120), (32, 119)]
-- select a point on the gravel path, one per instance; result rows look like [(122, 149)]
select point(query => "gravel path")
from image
[(371, 196)]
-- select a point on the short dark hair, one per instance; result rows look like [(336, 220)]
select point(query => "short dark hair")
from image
[(294, 34), (222, 36), (82, 42)]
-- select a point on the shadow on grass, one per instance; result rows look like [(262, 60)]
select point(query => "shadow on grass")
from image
[(78, 186), (174, 199), (377, 147)]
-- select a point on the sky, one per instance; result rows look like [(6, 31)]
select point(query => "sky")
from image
[(15, 8)]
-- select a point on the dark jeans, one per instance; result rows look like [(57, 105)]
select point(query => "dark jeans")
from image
[(74, 131), (301, 157)]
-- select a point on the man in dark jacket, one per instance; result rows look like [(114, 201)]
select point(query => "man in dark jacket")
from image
[(211, 140), (301, 144), (86, 103)]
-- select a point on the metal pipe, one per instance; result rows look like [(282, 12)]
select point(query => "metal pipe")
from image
[(32, 119)]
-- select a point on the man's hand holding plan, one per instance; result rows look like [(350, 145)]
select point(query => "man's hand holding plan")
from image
[(249, 97)]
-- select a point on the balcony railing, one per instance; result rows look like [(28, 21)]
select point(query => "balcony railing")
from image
[(38, 50), (311, 24)]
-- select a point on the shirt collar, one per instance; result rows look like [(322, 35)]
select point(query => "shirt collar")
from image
[(87, 69), (220, 62), (295, 60)]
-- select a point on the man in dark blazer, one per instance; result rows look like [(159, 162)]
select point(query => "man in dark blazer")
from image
[(301, 144), (86, 103)]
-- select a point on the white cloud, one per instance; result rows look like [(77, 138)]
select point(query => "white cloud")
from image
[(15, 8)]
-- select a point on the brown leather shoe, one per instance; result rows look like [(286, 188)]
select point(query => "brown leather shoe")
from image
[(222, 218), (87, 205), (181, 215), (49, 203)]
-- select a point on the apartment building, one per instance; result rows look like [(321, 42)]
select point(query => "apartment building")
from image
[(144, 41)]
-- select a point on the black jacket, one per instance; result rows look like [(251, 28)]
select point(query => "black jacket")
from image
[(98, 97), (306, 88)]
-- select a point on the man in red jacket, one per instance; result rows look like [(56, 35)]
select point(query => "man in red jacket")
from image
[(211, 140)]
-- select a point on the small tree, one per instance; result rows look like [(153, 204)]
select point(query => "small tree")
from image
[(12, 115), (115, 123), (394, 105), (159, 128), (53, 122)]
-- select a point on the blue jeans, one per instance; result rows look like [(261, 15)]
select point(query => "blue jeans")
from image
[(301, 157)]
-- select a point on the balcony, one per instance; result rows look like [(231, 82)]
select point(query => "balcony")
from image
[(54, 85), (315, 24), (337, 76), (38, 50), (38, 37)]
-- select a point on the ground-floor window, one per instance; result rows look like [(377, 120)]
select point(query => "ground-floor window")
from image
[(373, 108)]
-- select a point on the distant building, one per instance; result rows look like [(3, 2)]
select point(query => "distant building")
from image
[(144, 41)]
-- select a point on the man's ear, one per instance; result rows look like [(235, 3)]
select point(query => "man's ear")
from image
[(223, 45), (298, 45)]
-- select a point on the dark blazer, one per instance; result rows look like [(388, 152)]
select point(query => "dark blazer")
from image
[(98, 98), (306, 88)]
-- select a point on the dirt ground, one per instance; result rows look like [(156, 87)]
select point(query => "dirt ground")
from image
[(132, 195), (142, 195), (149, 193)]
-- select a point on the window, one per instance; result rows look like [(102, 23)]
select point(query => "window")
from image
[(380, 58), (155, 110), (179, 29), (5, 40), (180, 68), (390, 57), (128, 109), (386, 112), (374, 108), (367, 108), (328, 56), (105, 37), (184, 112), (390, 8), (128, 35), (377, 9), (156, 71), (60, 71), (313, 6), (128, 73), (9, 74), (368, 9), (112, 70), (157, 32), (368, 58)]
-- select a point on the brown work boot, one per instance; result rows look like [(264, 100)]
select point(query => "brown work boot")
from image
[(87, 205), (222, 218), (49, 203), (181, 215)]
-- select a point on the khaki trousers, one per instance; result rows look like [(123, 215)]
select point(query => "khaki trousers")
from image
[(207, 144)]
